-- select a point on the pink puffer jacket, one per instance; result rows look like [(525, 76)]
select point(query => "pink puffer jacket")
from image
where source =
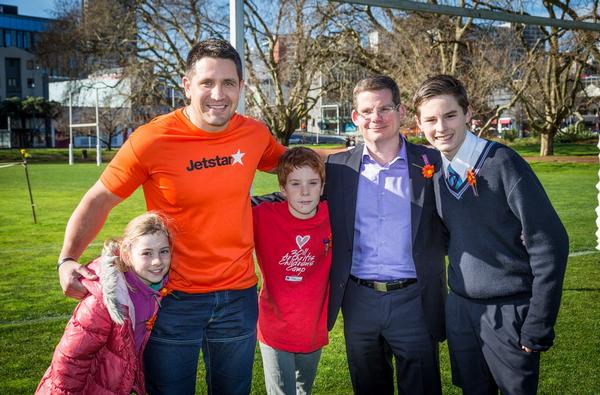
[(96, 354)]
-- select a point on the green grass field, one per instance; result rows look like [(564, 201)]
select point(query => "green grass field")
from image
[(525, 147), (33, 310)]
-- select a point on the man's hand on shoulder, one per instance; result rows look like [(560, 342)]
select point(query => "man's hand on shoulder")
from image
[(70, 273)]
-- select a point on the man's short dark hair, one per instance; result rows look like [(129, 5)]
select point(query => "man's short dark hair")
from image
[(377, 83), (213, 48), (441, 84)]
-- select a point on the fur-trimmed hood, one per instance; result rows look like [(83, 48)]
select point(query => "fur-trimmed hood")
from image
[(115, 293)]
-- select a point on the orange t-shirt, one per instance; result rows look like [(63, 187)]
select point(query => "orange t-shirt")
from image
[(202, 180)]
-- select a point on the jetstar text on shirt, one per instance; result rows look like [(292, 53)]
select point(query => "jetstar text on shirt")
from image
[(206, 163)]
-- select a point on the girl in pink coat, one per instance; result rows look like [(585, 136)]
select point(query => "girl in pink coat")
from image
[(101, 349)]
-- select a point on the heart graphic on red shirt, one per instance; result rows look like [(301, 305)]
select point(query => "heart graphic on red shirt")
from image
[(301, 240)]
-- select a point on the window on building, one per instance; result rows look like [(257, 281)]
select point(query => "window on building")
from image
[(35, 40), (11, 82), (27, 40), (10, 38), (7, 42), (30, 83), (29, 65)]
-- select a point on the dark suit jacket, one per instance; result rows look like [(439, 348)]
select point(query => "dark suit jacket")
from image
[(428, 233)]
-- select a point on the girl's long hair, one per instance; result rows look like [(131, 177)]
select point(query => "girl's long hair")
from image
[(145, 224)]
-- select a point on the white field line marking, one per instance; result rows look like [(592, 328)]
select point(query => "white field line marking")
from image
[(3, 165), (46, 248), (41, 320), (581, 253)]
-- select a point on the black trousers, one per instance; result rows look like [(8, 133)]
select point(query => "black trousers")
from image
[(485, 351), (379, 326)]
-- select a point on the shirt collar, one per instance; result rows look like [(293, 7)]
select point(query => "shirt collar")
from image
[(467, 155), (401, 156)]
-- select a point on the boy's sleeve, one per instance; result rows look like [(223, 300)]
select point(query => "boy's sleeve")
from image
[(547, 244), (271, 198)]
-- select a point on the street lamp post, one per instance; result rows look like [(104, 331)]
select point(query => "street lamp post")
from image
[(70, 128), (98, 148)]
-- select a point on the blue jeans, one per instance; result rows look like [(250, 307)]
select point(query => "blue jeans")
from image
[(222, 323)]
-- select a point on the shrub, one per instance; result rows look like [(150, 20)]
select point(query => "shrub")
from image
[(417, 140), (510, 134), (573, 133)]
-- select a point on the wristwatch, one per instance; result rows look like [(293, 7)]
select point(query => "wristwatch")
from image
[(63, 260)]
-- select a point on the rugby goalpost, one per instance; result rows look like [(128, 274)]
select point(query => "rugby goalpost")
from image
[(84, 125)]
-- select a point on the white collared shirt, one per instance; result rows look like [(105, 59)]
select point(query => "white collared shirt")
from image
[(467, 155)]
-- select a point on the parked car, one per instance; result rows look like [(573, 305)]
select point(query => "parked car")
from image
[(311, 138)]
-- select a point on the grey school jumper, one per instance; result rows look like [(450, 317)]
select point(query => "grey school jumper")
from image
[(489, 262)]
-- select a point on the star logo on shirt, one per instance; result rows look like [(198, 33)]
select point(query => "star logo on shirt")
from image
[(237, 157)]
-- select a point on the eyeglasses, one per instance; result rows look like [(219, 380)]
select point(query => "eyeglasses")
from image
[(383, 111)]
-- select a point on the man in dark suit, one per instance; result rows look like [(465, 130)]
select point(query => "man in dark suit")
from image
[(388, 272)]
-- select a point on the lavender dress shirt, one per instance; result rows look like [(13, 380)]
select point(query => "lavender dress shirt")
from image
[(382, 228)]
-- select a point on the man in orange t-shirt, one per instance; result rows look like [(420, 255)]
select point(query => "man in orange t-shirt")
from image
[(196, 165)]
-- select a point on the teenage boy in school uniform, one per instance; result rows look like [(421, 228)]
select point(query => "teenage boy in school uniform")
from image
[(507, 249)]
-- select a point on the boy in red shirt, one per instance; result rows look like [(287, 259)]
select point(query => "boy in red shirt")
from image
[(293, 240)]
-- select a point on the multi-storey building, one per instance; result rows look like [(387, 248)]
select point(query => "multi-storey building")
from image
[(21, 76)]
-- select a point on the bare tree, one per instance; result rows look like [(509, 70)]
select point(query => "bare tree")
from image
[(147, 40), (551, 94), (113, 122), (166, 30), (412, 46), (81, 41), (290, 57)]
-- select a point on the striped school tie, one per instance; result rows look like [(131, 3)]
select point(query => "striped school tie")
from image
[(454, 180)]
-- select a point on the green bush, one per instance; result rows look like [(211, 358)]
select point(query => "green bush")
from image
[(573, 133), (525, 141), (510, 135), (417, 140)]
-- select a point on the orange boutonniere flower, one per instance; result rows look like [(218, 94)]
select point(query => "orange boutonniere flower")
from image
[(472, 181), (150, 322), (428, 169), (164, 291)]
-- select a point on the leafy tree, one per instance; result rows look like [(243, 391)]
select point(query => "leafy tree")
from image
[(12, 107), (37, 110)]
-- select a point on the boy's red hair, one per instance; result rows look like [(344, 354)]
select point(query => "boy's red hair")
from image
[(297, 157)]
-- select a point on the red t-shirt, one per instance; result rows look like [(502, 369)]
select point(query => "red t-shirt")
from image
[(202, 180), (294, 257)]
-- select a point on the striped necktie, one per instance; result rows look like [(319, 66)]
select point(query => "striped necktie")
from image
[(454, 180)]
